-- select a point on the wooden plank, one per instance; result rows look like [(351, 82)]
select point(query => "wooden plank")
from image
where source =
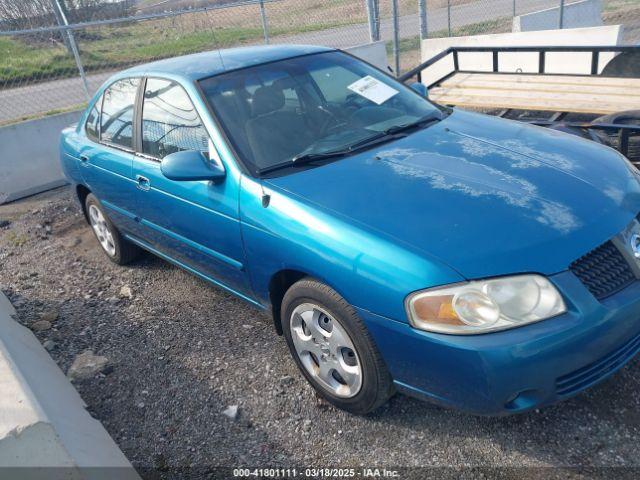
[(559, 95), (531, 103), (484, 101), (540, 92), (553, 79), (543, 87)]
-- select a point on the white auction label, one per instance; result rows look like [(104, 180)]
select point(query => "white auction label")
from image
[(373, 89)]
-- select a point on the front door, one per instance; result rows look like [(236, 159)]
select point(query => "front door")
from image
[(193, 222)]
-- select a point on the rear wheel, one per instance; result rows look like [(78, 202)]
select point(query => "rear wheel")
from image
[(117, 248), (333, 348)]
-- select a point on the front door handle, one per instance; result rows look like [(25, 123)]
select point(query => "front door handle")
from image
[(143, 182)]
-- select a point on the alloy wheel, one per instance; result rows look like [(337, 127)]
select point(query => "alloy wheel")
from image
[(102, 231)]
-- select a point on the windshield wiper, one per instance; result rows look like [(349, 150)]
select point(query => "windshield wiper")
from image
[(421, 122), (390, 133), (310, 157), (304, 159), (393, 132)]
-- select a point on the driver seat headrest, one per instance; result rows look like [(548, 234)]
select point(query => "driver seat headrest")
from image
[(267, 100)]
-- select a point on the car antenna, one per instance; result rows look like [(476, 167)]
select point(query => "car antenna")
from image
[(213, 34), (221, 60)]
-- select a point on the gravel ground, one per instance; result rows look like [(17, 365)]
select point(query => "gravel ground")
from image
[(181, 352)]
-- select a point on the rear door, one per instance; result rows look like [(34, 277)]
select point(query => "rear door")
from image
[(193, 222), (107, 153)]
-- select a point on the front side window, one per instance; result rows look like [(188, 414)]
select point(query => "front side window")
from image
[(116, 121), (310, 105), (170, 122)]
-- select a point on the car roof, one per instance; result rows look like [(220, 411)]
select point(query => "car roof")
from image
[(201, 65)]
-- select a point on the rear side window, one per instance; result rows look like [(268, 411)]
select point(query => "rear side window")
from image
[(92, 126), (170, 122), (116, 122)]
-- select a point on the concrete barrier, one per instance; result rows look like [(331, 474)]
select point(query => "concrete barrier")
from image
[(585, 13), (375, 53), (525, 62), (45, 431), (29, 162)]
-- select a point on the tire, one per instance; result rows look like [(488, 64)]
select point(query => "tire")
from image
[(627, 117), (345, 349), (625, 64), (114, 245)]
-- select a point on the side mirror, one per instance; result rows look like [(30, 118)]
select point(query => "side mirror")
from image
[(190, 165), (420, 88)]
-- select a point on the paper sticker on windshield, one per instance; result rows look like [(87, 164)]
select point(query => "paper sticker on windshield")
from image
[(373, 89)]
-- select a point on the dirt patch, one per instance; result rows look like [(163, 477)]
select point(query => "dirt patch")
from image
[(181, 352), (626, 14)]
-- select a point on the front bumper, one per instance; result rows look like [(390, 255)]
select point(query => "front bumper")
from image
[(519, 369)]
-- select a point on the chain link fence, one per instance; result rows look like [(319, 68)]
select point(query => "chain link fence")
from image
[(49, 64)]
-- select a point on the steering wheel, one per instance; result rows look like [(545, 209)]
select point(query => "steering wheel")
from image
[(355, 101), (330, 122)]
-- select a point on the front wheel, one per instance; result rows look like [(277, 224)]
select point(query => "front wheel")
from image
[(333, 348), (117, 248)]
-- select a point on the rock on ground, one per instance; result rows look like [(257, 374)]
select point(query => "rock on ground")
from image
[(50, 316), (40, 326), (87, 365), (126, 292), (231, 411)]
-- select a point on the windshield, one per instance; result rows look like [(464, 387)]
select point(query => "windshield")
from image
[(300, 107)]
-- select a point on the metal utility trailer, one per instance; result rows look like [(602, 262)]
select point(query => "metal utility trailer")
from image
[(525, 96)]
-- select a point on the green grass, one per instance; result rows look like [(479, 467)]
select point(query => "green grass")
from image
[(16, 239), (19, 60), (23, 62), (615, 5)]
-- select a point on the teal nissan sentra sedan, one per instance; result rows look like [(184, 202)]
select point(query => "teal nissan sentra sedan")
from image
[(480, 263)]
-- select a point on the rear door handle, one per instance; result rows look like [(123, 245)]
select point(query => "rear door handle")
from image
[(84, 160), (143, 182)]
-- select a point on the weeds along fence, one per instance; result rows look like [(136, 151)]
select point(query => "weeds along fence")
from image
[(58, 65)]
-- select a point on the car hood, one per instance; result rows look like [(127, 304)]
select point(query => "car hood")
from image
[(485, 195)]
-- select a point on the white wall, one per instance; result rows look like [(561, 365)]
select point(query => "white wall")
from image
[(585, 13), (375, 53), (560, 62), (29, 159)]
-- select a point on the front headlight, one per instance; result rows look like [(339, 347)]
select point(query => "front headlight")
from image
[(485, 305)]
